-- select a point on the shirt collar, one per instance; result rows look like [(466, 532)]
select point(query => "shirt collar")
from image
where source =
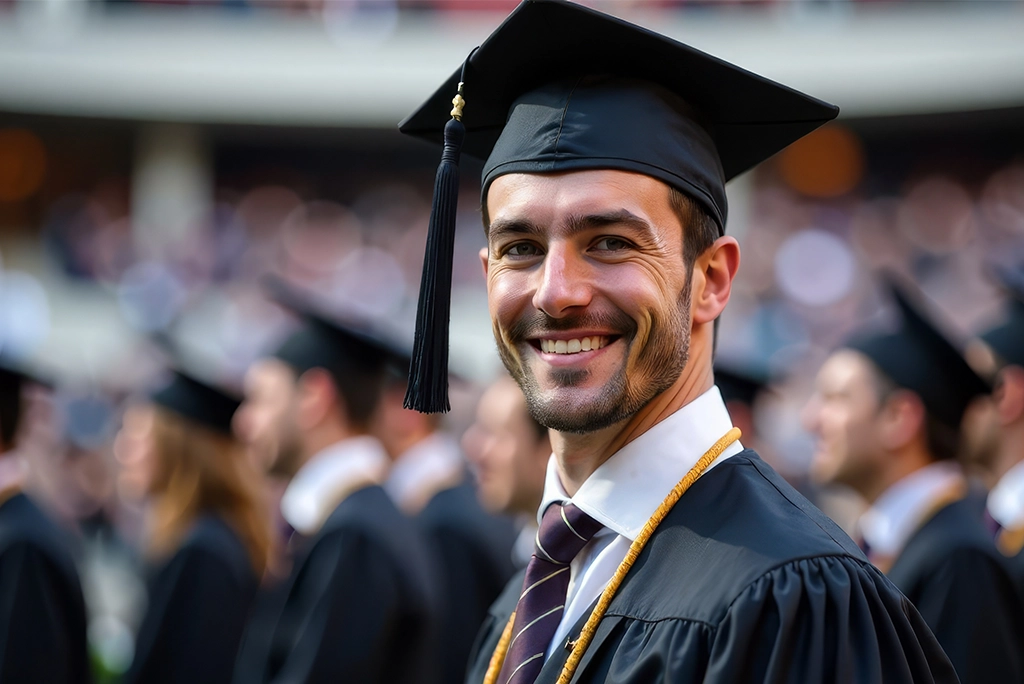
[(626, 490), (430, 466), (327, 478), (1006, 500), (897, 514)]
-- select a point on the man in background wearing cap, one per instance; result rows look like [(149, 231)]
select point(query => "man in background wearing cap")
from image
[(42, 612), (608, 148), (995, 431), (428, 482), (509, 452), (887, 415), (358, 604)]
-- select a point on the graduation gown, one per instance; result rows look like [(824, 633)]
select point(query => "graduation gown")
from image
[(357, 607), (199, 602), (952, 572), (474, 553), (42, 612), (745, 581)]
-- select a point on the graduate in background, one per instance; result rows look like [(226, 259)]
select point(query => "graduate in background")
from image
[(42, 611), (887, 415), (995, 431), (429, 482), (358, 605), (207, 531), (509, 453)]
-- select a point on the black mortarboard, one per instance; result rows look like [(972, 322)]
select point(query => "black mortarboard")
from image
[(14, 376), (739, 385), (196, 400), (329, 341), (1007, 339), (559, 87), (922, 359)]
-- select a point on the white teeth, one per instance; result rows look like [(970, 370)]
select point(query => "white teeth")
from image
[(573, 346)]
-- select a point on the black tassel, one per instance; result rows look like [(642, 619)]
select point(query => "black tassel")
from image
[(428, 372)]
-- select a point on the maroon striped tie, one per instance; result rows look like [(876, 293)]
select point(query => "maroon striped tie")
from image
[(564, 531)]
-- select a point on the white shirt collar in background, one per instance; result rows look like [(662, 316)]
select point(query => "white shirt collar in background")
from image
[(430, 466), (1006, 500), (888, 525), (324, 481)]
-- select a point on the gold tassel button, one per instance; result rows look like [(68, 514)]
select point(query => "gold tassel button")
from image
[(458, 103)]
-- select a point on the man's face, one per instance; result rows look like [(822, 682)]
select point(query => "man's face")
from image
[(265, 422), (843, 415), (588, 292), (508, 459)]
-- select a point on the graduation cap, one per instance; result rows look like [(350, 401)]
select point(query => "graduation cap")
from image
[(14, 376), (739, 385), (197, 400), (330, 341), (560, 87), (920, 358), (1007, 339)]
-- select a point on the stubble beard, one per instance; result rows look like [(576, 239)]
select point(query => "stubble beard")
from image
[(659, 363)]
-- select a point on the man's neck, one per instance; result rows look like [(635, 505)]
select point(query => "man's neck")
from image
[(317, 440), (578, 456), (911, 459)]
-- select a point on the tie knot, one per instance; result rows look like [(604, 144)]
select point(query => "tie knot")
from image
[(564, 531)]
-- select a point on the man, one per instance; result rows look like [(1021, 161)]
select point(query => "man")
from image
[(887, 415), (509, 452), (357, 605), (428, 482), (42, 612), (606, 268), (998, 433)]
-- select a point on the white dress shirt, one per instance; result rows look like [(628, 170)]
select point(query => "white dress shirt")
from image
[(890, 522), (1006, 500), (326, 479), (428, 467), (626, 490)]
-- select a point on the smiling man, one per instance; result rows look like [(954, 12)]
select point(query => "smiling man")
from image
[(666, 551)]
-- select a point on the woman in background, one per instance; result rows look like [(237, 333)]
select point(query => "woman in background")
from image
[(206, 532)]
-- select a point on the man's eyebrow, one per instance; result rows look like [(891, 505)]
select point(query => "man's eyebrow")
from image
[(579, 224), (512, 226), (574, 224)]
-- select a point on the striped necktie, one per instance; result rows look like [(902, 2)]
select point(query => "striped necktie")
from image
[(564, 531)]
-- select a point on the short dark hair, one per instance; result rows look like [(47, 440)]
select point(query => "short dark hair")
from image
[(941, 440)]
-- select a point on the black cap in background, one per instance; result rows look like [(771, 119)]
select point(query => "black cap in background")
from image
[(920, 358), (1007, 339), (198, 401)]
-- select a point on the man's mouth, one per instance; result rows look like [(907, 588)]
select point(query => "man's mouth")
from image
[(574, 345)]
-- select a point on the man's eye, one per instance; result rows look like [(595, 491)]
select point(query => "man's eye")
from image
[(610, 244), (522, 249)]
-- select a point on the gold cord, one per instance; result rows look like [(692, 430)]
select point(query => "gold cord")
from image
[(458, 103), (590, 628)]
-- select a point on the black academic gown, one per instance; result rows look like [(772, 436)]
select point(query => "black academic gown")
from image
[(951, 570), (42, 612), (745, 581), (474, 552), (199, 602), (358, 605)]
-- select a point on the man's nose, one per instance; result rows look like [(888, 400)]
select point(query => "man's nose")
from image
[(565, 282)]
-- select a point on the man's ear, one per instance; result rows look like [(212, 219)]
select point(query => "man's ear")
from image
[(713, 273), (483, 260), (903, 419), (315, 397), (1010, 395)]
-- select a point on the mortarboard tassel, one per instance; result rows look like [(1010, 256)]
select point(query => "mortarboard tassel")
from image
[(428, 372)]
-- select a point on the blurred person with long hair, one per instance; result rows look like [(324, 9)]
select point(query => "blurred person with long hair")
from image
[(42, 611), (207, 533)]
